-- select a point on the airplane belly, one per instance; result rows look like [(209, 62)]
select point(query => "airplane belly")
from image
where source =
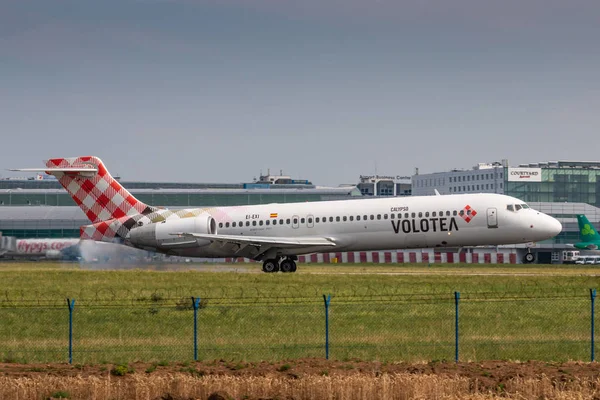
[(417, 240), (200, 252), (376, 241)]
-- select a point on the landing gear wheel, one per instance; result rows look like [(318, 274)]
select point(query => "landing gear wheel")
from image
[(295, 266), (287, 265), (529, 258), (270, 266)]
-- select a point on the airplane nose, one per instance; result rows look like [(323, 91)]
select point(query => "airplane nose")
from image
[(545, 227), (553, 226)]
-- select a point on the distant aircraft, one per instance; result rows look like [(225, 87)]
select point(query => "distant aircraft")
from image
[(588, 235), (68, 249), (277, 233), (65, 249)]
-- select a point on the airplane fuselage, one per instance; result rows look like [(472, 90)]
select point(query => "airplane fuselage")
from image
[(374, 224)]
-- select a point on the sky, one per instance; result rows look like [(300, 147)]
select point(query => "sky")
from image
[(326, 90)]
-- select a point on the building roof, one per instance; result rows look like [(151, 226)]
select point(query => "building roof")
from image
[(41, 212)]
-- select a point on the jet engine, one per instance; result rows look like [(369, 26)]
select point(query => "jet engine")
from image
[(163, 234)]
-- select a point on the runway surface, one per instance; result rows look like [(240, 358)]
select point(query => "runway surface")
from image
[(382, 269)]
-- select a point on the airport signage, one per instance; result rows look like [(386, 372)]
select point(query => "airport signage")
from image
[(373, 178), (524, 174)]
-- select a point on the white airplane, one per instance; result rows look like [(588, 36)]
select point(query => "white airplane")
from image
[(277, 233)]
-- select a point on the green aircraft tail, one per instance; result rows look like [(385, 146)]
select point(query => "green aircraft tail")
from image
[(587, 232)]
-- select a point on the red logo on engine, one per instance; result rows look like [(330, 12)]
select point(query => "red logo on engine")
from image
[(468, 213)]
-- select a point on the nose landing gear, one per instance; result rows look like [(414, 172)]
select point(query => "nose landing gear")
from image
[(528, 258)]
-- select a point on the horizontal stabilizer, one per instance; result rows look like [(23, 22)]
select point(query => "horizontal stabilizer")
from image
[(84, 171)]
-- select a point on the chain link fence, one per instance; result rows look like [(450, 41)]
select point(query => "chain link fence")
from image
[(455, 326)]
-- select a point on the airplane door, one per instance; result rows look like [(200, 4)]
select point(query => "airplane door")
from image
[(492, 218), (295, 220), (310, 221)]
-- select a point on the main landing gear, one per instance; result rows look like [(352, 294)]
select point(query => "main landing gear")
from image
[(287, 264)]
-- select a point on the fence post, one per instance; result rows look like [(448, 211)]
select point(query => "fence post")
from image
[(196, 303), (593, 300), (327, 300), (71, 304), (456, 299)]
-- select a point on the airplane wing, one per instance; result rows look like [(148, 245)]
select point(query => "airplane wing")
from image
[(254, 246)]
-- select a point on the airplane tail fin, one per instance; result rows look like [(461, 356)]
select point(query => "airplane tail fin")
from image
[(94, 190), (112, 210), (587, 232)]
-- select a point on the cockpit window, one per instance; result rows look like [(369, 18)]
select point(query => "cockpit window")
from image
[(524, 206), (517, 207), (509, 207)]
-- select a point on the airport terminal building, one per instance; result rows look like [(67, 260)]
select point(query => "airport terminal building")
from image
[(384, 185), (552, 181)]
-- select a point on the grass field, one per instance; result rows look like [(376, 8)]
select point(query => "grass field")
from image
[(41, 282), (377, 312)]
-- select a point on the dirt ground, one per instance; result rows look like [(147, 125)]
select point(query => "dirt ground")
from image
[(487, 374)]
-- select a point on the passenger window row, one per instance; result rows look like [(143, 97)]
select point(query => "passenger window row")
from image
[(345, 218)]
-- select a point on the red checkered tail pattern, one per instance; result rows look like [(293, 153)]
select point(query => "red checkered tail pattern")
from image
[(96, 192)]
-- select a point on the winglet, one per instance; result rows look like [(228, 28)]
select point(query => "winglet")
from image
[(436, 192)]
